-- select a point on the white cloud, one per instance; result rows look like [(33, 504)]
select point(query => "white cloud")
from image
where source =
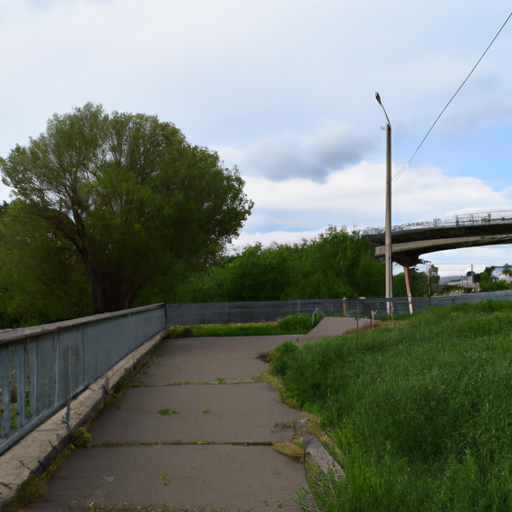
[(332, 145), (461, 261), (279, 237), (356, 195), (286, 212)]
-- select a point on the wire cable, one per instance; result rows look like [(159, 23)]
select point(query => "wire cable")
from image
[(404, 168)]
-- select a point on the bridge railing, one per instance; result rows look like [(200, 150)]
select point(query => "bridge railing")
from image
[(464, 219), (42, 368)]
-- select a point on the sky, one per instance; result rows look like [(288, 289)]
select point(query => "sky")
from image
[(285, 90)]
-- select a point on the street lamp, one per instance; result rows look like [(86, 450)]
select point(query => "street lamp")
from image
[(387, 229)]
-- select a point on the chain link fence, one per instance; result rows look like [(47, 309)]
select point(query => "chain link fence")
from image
[(246, 312)]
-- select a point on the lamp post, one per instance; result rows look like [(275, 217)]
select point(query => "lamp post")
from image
[(387, 229)]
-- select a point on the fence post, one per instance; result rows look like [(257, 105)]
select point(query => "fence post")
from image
[(66, 360), (5, 377), (21, 377)]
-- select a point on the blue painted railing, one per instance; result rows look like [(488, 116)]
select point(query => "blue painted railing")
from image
[(42, 368)]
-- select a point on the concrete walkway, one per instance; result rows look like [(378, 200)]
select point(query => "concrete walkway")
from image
[(194, 431)]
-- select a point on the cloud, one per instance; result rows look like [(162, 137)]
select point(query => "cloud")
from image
[(287, 212), (331, 147), (280, 237), (478, 115), (278, 162), (356, 196)]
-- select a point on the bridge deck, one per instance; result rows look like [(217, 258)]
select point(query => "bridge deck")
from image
[(409, 244)]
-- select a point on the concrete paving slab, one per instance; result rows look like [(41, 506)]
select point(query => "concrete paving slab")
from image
[(335, 326), (230, 413), (234, 477), (207, 359)]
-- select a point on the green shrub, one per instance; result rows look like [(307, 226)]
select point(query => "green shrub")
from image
[(282, 357), (299, 324)]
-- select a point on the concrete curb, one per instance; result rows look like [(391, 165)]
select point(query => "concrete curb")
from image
[(35, 452), (315, 453)]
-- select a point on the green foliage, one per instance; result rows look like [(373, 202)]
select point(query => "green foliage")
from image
[(336, 264), (488, 284), (418, 280), (125, 195), (167, 412), (31, 489), (40, 281), (299, 323), (282, 356), (507, 270), (421, 411), (81, 438)]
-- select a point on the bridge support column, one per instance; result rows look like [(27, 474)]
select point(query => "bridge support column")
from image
[(408, 287)]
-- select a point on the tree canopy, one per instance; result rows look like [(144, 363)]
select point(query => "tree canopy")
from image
[(335, 264), (126, 195)]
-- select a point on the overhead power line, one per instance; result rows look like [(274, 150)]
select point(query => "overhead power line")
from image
[(404, 168)]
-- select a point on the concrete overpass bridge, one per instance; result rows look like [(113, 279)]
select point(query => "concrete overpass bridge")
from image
[(410, 241)]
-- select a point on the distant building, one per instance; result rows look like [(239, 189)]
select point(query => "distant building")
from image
[(466, 281), (502, 274), (505, 277)]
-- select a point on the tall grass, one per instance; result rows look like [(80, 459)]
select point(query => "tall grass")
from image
[(422, 412)]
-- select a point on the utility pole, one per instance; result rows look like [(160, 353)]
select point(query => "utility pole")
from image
[(387, 229)]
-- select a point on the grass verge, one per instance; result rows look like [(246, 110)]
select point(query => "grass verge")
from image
[(301, 323), (421, 412)]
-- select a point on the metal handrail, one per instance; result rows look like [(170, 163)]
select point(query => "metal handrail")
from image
[(43, 367)]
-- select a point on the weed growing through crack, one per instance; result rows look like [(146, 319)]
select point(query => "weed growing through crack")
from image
[(81, 438), (165, 477), (207, 411), (35, 485), (167, 412)]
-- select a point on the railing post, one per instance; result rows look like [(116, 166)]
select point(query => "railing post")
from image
[(33, 377), (21, 376), (5, 377), (66, 359)]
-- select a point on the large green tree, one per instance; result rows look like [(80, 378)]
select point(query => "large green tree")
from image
[(40, 280), (129, 194)]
